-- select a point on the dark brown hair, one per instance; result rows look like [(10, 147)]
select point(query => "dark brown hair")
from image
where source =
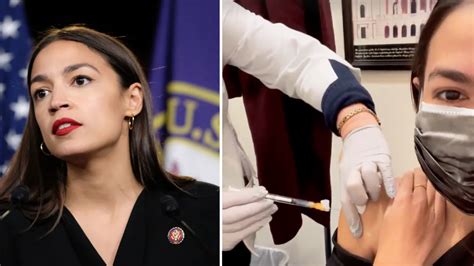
[(45, 176), (441, 10)]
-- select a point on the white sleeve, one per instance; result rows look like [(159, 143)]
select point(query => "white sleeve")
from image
[(280, 57)]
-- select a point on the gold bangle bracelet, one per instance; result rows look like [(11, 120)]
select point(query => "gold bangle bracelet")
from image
[(353, 113)]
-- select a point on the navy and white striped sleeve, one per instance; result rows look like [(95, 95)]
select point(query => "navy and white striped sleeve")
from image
[(344, 91)]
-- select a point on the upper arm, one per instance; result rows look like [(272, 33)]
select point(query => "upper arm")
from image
[(205, 211), (366, 245), (293, 62), (280, 57), (6, 253)]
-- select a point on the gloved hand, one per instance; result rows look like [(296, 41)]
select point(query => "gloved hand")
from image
[(365, 163), (243, 213)]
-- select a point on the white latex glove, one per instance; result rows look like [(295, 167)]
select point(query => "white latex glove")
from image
[(243, 213), (365, 164)]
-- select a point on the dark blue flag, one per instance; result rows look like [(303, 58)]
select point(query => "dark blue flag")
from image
[(185, 87), (15, 49)]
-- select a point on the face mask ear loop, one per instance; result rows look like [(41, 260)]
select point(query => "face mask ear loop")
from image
[(420, 97)]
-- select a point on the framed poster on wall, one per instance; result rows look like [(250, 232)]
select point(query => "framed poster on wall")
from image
[(382, 34)]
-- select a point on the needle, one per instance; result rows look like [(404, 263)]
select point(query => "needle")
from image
[(323, 205)]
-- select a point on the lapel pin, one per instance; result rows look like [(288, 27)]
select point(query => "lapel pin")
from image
[(176, 235)]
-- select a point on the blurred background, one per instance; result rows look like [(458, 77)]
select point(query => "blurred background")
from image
[(177, 43)]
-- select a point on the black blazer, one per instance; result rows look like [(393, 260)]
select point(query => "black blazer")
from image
[(145, 240)]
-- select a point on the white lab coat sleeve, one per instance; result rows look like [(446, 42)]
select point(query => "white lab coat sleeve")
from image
[(290, 61)]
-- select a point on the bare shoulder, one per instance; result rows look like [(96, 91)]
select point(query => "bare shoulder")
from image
[(366, 245)]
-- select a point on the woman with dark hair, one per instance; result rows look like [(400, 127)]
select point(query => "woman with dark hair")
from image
[(85, 186), (417, 228)]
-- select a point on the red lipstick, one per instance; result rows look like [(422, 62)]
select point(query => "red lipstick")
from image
[(64, 126)]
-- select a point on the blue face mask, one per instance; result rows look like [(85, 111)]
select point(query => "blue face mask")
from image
[(444, 144)]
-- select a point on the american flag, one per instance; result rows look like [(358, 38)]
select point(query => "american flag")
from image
[(15, 49)]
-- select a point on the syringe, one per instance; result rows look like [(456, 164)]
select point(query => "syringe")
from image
[(323, 205)]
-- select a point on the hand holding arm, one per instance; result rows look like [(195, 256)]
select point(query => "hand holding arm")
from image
[(412, 224), (365, 165)]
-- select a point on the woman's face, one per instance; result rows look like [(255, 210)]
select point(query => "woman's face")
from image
[(78, 101), (449, 74)]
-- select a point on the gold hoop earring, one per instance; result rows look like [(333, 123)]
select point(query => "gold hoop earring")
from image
[(131, 122), (43, 149)]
